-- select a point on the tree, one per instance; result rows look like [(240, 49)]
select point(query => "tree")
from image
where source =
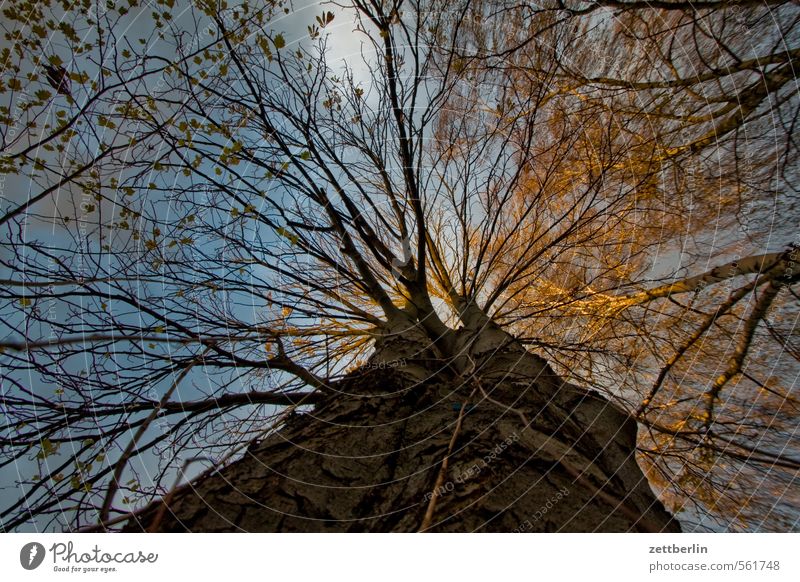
[(434, 288)]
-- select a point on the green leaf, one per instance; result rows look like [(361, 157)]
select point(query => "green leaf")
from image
[(325, 19), (104, 121), (293, 238), (79, 484), (48, 448)]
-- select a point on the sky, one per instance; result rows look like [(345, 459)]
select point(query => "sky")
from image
[(346, 46)]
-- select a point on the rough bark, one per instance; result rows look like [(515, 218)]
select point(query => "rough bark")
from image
[(531, 453)]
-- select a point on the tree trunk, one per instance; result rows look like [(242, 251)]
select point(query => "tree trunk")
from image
[(528, 452)]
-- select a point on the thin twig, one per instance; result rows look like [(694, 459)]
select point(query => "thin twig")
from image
[(162, 509), (426, 522), (122, 462)]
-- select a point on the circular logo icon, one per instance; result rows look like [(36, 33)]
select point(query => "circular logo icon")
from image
[(31, 555)]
